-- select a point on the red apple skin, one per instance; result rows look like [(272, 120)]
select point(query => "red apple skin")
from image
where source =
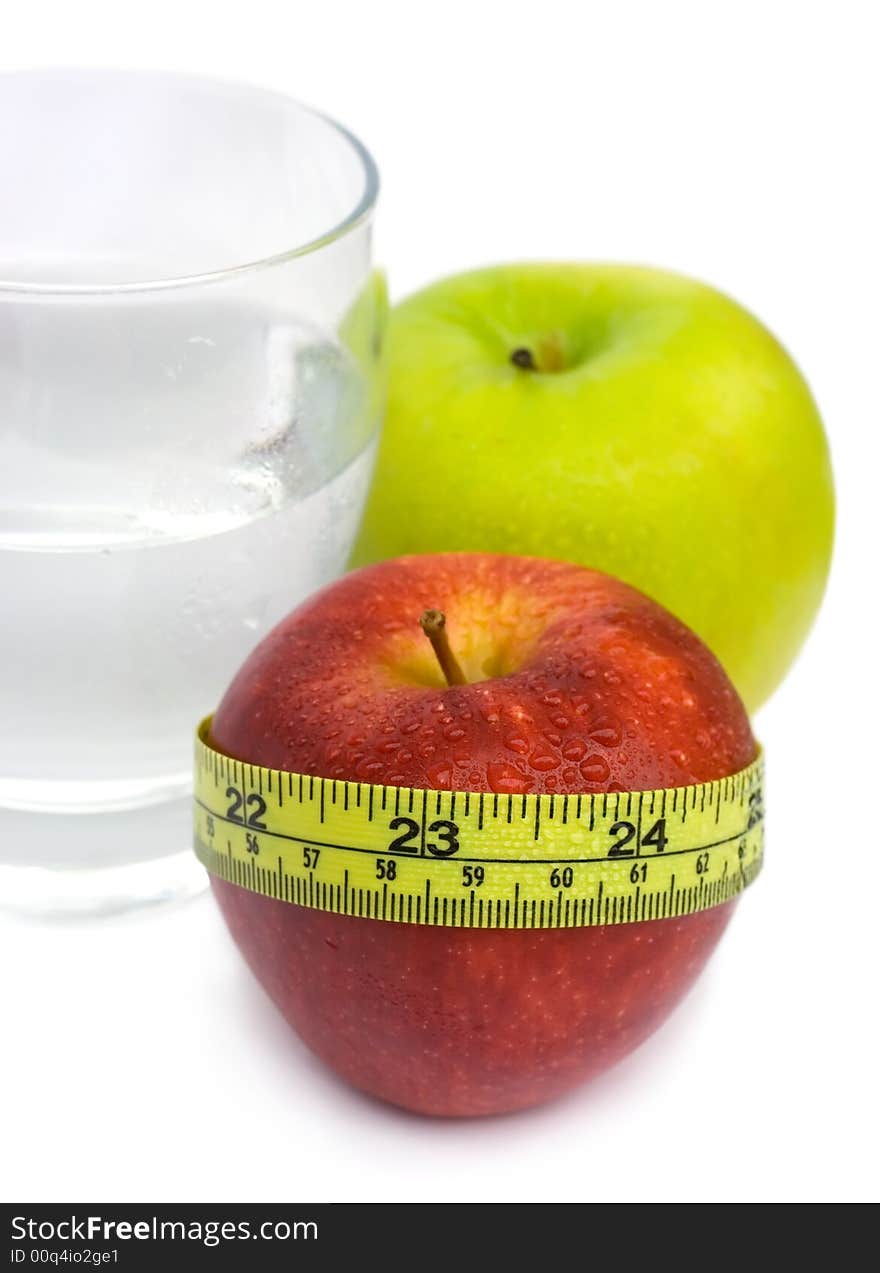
[(590, 687)]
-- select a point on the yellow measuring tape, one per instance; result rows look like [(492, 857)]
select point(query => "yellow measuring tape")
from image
[(475, 859)]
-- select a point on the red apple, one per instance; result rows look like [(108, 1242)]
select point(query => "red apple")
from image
[(574, 683)]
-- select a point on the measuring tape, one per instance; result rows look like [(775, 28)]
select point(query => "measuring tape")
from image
[(476, 859)]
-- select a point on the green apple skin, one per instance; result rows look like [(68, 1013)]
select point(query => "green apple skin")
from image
[(663, 436)]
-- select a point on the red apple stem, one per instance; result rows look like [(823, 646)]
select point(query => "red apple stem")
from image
[(434, 627)]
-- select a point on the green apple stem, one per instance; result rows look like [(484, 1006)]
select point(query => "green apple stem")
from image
[(550, 353), (434, 627), (548, 356), (524, 359)]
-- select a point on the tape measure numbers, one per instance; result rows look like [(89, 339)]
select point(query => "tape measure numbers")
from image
[(476, 859)]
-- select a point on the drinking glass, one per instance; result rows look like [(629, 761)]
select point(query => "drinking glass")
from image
[(190, 393)]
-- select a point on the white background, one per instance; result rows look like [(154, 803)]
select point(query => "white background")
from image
[(737, 142)]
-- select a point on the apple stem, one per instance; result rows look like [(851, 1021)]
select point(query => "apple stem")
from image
[(434, 627), (548, 356), (551, 354), (524, 359)]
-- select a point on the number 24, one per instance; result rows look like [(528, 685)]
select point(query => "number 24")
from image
[(655, 838)]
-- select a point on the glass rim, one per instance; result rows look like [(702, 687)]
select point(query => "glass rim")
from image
[(360, 213)]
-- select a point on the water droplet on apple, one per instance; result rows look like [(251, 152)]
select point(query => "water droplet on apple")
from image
[(543, 761), (607, 735), (574, 749), (517, 744), (595, 769), (519, 714), (507, 780)]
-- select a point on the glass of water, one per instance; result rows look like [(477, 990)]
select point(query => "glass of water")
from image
[(190, 392)]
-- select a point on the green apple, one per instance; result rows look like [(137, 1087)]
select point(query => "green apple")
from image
[(624, 418)]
